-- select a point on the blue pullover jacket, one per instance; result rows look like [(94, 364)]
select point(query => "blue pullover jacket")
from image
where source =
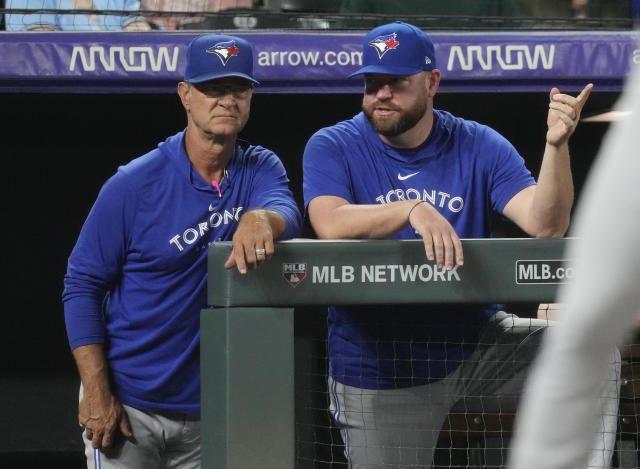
[(136, 279)]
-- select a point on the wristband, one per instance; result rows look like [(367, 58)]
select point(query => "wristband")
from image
[(409, 215)]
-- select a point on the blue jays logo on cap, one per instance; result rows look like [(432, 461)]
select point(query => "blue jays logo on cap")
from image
[(383, 44), (224, 50)]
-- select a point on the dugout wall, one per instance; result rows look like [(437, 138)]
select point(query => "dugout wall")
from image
[(247, 340)]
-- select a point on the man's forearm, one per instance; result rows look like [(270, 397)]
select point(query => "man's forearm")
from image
[(92, 366), (550, 210), (274, 220), (355, 221), (551, 207)]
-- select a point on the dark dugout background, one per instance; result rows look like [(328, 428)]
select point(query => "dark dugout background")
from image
[(58, 149)]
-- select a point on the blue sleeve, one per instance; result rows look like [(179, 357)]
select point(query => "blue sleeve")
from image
[(506, 170), (113, 22), (271, 191), (133, 6), (96, 261), (17, 22), (324, 169)]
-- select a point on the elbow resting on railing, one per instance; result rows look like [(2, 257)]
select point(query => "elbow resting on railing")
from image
[(555, 230)]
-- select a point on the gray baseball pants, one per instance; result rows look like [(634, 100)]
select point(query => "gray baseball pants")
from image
[(399, 428)]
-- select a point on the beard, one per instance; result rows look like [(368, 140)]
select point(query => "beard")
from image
[(392, 127)]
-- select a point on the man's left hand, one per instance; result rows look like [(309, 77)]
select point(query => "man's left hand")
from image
[(252, 241), (564, 114)]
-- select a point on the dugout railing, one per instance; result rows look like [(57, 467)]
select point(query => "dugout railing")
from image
[(247, 333)]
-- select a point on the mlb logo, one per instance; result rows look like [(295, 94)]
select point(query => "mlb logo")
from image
[(294, 272)]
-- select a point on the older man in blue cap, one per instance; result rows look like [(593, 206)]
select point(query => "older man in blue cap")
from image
[(136, 279), (402, 169)]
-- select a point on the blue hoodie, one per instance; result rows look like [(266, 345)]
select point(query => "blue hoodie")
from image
[(136, 279)]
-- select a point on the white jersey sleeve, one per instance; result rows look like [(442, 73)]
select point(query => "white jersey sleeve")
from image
[(559, 411)]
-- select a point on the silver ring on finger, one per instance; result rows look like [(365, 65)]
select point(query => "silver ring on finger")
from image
[(260, 252)]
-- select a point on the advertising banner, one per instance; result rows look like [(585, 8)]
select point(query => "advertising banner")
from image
[(318, 62)]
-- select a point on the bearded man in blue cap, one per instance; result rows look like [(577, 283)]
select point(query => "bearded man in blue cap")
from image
[(136, 279), (401, 169)]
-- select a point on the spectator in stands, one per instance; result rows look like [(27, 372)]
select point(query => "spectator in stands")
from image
[(579, 8), (136, 279), (193, 7), (92, 20), (404, 170), (576, 9), (468, 8), (582, 9)]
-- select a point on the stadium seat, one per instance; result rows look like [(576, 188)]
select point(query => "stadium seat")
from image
[(239, 18)]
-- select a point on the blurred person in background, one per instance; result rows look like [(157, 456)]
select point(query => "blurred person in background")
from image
[(91, 20), (598, 308), (408, 8), (191, 6), (558, 415), (583, 9)]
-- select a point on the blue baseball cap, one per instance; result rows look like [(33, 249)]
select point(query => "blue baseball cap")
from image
[(214, 56), (396, 49)]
